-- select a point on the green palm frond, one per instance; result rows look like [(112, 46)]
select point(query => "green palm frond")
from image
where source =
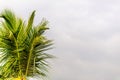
[(22, 47)]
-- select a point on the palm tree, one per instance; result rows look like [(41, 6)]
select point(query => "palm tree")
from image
[(22, 47)]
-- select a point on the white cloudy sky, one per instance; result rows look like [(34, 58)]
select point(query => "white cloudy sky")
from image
[(86, 34)]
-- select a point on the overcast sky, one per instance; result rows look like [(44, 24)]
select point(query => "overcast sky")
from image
[(86, 35)]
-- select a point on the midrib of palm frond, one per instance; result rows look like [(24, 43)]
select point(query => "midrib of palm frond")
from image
[(29, 27), (29, 58), (18, 57)]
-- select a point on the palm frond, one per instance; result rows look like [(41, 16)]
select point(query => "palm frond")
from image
[(23, 47)]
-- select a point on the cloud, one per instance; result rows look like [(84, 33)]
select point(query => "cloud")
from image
[(92, 34), (85, 32)]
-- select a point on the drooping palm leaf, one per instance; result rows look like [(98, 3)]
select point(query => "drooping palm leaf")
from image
[(22, 47)]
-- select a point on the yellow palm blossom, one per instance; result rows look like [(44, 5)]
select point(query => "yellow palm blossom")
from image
[(19, 78)]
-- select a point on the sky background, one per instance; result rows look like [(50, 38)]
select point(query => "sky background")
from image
[(86, 36)]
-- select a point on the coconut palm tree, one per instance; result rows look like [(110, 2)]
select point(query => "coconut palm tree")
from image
[(22, 47)]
